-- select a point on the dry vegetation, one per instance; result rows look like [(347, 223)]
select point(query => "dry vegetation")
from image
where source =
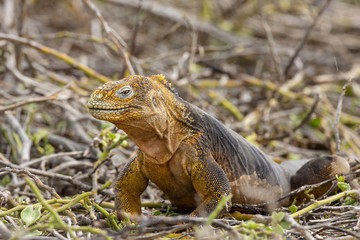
[(274, 71)]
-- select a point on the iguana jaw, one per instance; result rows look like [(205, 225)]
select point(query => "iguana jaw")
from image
[(113, 114)]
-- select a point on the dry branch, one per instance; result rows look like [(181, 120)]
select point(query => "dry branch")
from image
[(113, 36), (345, 118), (338, 113), (51, 96), (274, 54), (46, 50), (304, 39), (168, 12), (298, 227), (26, 142), (57, 176), (4, 231)]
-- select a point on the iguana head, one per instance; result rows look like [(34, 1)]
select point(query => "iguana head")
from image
[(144, 107), (131, 99)]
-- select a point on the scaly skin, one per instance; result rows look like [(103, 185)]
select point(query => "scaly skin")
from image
[(191, 156)]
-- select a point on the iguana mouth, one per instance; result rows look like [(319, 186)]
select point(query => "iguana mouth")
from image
[(113, 109)]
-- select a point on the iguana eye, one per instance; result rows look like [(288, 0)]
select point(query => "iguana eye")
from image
[(125, 92)]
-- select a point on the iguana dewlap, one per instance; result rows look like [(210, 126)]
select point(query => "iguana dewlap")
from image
[(190, 155)]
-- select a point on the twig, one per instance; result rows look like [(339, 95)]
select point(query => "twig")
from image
[(292, 131), (52, 211), (168, 12), (78, 36), (8, 12), (357, 236), (298, 227), (4, 231), (68, 165), (227, 105), (68, 205), (55, 155), (146, 221), (111, 217), (113, 36), (51, 96), (304, 39), (345, 118), (308, 115), (26, 142), (62, 56), (58, 78), (21, 14), (66, 143), (34, 177), (258, 207), (158, 235), (338, 113), (325, 201), (274, 54), (136, 29), (10, 65), (41, 185), (69, 179)]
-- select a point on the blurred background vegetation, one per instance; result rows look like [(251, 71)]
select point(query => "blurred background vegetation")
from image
[(273, 71)]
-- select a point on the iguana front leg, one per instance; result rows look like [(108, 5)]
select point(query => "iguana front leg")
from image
[(128, 188), (211, 183)]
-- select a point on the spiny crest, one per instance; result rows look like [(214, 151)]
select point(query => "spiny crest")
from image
[(161, 79)]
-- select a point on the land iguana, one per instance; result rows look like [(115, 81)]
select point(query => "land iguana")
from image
[(192, 157)]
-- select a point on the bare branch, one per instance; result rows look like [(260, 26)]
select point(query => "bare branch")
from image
[(26, 142), (62, 56), (51, 96), (69, 179), (168, 12), (338, 113), (304, 39), (298, 227), (4, 231), (113, 36), (274, 54)]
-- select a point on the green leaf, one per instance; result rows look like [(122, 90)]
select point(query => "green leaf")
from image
[(157, 213), (111, 135), (277, 217), (343, 186), (350, 201), (315, 122), (251, 224), (39, 135), (30, 215), (36, 233), (293, 208), (340, 178), (285, 225), (48, 149), (5, 180), (17, 140), (278, 229)]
